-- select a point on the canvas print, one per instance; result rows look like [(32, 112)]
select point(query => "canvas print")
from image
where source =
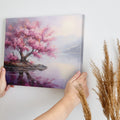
[(43, 51)]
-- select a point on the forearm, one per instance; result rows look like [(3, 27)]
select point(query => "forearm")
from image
[(59, 111)]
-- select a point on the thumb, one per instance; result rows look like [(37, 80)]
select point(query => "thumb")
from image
[(3, 72)]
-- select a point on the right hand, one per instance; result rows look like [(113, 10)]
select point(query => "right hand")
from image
[(71, 92)]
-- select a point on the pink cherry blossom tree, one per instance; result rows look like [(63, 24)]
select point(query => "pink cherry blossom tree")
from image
[(29, 38)]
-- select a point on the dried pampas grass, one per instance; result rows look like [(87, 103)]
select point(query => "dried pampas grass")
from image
[(86, 110), (108, 84)]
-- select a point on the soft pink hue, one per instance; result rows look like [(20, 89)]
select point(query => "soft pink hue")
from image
[(12, 57), (29, 36)]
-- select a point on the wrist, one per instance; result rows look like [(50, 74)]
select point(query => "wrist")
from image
[(67, 105), (71, 100)]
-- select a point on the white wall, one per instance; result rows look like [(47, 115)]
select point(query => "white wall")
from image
[(102, 22)]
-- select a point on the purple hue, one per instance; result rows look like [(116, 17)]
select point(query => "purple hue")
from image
[(43, 51), (27, 38)]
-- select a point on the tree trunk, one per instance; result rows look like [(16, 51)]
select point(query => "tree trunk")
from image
[(20, 79), (32, 81), (23, 59)]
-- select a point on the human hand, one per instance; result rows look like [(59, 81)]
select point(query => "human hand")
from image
[(3, 84), (71, 93)]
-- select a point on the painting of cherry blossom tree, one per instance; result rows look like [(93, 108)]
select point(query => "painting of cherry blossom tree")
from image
[(43, 51)]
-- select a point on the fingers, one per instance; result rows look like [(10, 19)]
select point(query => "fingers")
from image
[(75, 76), (81, 80), (82, 77), (7, 88), (2, 72)]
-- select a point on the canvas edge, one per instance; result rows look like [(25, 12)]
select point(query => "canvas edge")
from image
[(50, 15), (82, 44), (3, 41)]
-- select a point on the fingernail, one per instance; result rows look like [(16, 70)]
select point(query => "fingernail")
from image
[(3, 69), (78, 72)]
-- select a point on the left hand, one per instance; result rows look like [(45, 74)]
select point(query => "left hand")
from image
[(3, 84)]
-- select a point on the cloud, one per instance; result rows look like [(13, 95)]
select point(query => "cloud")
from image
[(69, 25)]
